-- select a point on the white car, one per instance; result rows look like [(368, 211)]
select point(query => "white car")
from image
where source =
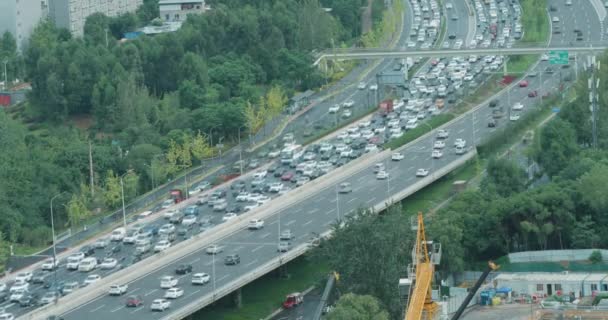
[(167, 203), (544, 57), (200, 278), (397, 134), (422, 172), (2, 287), (439, 144), (514, 117), (169, 213), (263, 199), (442, 134), (518, 106), (397, 156), (160, 305), (347, 114), (162, 245), (275, 187), (174, 293), (17, 295), (374, 86), (256, 224), (167, 282), (437, 154), (19, 286), (166, 228), (24, 277), (364, 123), (50, 264), (108, 263), (260, 174), (460, 143), (362, 85), (228, 216), (381, 129), (118, 289), (189, 220), (334, 109), (7, 316), (348, 103), (249, 207), (214, 249), (371, 147), (243, 196), (92, 278), (381, 175)]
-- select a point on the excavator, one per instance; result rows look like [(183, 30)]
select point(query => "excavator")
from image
[(420, 304)]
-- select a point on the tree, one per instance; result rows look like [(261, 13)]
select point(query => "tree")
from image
[(504, 177), (77, 210), (584, 235), (130, 182), (253, 117), (593, 189), (200, 147), (276, 100), (173, 156), (112, 192), (358, 307), (557, 146)]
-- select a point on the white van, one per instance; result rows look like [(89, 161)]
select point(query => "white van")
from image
[(74, 261), (555, 19), (87, 264), (118, 234)]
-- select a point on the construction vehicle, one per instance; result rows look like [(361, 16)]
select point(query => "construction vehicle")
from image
[(176, 195), (425, 256), (491, 267)]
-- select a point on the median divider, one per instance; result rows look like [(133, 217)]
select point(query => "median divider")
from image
[(201, 241)]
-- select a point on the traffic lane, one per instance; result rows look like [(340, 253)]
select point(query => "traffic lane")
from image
[(459, 27), (582, 17)]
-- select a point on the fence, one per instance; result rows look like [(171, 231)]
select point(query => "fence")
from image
[(555, 255)]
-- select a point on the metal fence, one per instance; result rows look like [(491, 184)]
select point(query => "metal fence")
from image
[(555, 255)]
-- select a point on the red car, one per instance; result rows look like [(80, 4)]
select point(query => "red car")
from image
[(134, 301), (287, 176), (533, 94), (292, 300), (523, 84)]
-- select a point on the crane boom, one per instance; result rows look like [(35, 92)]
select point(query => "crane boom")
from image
[(491, 267)]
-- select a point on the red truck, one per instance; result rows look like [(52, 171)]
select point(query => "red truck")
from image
[(292, 300), (176, 195), (386, 107)]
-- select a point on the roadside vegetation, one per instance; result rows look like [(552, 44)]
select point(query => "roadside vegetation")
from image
[(151, 108), (536, 25)]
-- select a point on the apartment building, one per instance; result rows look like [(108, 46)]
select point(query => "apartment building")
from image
[(20, 17), (72, 14), (178, 10)]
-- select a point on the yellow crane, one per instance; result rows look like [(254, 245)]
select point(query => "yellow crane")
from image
[(420, 302)]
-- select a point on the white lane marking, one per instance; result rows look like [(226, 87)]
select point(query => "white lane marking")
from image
[(132, 312), (332, 200), (328, 223), (134, 290), (410, 168), (101, 306), (182, 276), (297, 209), (265, 235), (307, 223), (208, 263), (150, 292), (361, 178), (313, 210), (330, 211), (114, 310), (371, 200), (461, 131), (290, 222), (351, 200), (222, 278), (195, 261), (274, 222), (372, 188), (257, 248), (358, 188), (252, 262), (193, 293)]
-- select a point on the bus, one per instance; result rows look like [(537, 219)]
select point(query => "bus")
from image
[(291, 153)]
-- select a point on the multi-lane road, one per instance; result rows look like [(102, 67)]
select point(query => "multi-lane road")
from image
[(316, 214)]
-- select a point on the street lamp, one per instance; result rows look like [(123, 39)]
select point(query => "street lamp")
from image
[(54, 238), (5, 74), (240, 151), (122, 193)]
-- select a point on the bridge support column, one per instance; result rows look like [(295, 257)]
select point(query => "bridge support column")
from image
[(237, 298)]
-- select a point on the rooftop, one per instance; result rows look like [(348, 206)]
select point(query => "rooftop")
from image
[(161, 2), (552, 276)]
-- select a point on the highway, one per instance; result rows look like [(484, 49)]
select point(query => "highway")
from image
[(313, 215)]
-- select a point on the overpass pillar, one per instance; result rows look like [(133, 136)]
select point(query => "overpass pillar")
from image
[(237, 298)]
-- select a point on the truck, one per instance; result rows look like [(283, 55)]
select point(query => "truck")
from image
[(292, 300), (176, 195), (386, 107)]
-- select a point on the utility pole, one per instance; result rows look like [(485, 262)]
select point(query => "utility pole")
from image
[(5, 74), (593, 84), (91, 174)]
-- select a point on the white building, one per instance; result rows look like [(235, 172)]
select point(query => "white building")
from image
[(20, 17), (72, 14), (541, 284), (178, 10)]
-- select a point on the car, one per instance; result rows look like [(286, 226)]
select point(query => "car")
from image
[(189, 220), (275, 187), (283, 246), (167, 203), (160, 305), (442, 134), (346, 114), (523, 83), (256, 224), (49, 264), (381, 175), (232, 259), (436, 154), (229, 216), (460, 143), (493, 103), (39, 277), (514, 117), (286, 234), (28, 300), (183, 269), (169, 213), (24, 277), (373, 87), (19, 285), (334, 109), (532, 94), (518, 106), (92, 278), (492, 123), (345, 187), (397, 156), (69, 287), (49, 297), (302, 181), (422, 172), (17, 295), (287, 176), (439, 144), (214, 249), (167, 228), (108, 263), (200, 278), (118, 289), (452, 36), (348, 103), (247, 208), (134, 301), (101, 243), (167, 282), (174, 293), (162, 245), (7, 316), (362, 86)]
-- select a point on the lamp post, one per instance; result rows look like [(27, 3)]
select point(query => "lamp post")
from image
[(240, 152), (122, 195), (593, 84), (54, 239), (5, 74), (337, 202)]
